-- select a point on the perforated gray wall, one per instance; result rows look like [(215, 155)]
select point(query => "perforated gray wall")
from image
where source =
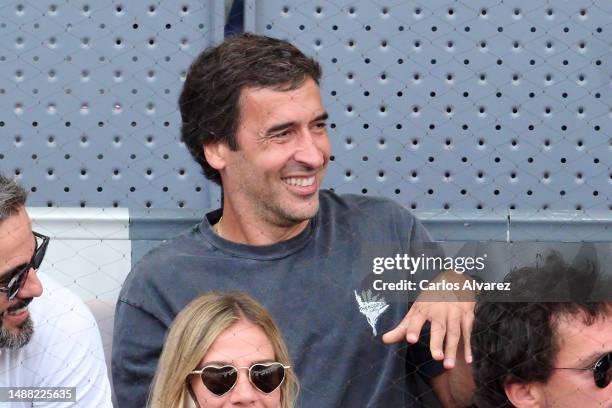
[(441, 104), (471, 105), (89, 90)]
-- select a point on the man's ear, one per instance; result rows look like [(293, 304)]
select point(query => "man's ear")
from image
[(216, 154), (524, 395)]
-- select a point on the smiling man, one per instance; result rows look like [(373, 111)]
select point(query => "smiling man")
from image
[(272, 182), (46, 340), (253, 119), (18, 244)]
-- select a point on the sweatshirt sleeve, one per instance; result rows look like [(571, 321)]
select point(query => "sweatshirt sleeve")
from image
[(138, 338)]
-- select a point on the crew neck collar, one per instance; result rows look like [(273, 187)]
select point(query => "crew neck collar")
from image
[(265, 252)]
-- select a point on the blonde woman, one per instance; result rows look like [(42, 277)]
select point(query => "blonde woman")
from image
[(224, 350)]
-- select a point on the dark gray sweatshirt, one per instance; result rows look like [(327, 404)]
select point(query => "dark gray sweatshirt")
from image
[(318, 288)]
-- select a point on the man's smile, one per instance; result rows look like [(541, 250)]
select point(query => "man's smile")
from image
[(18, 311), (300, 181)]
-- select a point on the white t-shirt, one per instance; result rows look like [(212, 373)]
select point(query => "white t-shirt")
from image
[(64, 351)]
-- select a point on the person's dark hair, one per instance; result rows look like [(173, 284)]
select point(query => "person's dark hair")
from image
[(210, 100), (514, 341), (12, 197)]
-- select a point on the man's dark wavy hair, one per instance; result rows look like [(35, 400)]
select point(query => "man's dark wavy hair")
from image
[(515, 341), (210, 100)]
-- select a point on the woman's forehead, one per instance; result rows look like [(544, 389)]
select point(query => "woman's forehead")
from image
[(243, 343)]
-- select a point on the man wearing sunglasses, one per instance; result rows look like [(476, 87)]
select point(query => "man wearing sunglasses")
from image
[(49, 340), (549, 348)]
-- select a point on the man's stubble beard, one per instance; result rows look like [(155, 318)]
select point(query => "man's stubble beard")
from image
[(281, 217), (16, 340), (273, 212)]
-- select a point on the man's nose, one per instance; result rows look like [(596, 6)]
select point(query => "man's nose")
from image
[(32, 287), (312, 150)]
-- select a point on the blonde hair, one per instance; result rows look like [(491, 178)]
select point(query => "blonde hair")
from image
[(192, 333)]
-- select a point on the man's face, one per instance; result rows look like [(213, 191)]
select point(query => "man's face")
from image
[(579, 347), (283, 153), (16, 249)]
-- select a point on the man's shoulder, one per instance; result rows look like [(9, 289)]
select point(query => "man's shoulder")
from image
[(59, 310), (159, 264), (378, 218), (65, 349), (64, 328), (183, 242), (187, 243)]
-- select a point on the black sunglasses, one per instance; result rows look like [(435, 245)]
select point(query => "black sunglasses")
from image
[(221, 380), (602, 370), (18, 276)]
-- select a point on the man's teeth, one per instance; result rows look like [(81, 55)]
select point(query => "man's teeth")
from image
[(300, 181), (16, 312)]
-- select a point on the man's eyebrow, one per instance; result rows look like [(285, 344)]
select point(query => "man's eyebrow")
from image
[(287, 125), (593, 357), (321, 117), (282, 126)]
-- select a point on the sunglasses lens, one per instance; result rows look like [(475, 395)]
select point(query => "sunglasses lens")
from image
[(18, 282), (267, 377), (39, 255), (219, 380), (603, 371)]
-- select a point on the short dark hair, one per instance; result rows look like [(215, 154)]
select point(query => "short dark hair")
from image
[(210, 98), (515, 342), (12, 197)]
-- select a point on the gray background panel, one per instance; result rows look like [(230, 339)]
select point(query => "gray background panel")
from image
[(497, 105), (89, 95), (473, 106)]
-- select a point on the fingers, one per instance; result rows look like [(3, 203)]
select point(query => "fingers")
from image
[(436, 338), (395, 335), (408, 329), (448, 325), (416, 320), (453, 335), (466, 328)]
